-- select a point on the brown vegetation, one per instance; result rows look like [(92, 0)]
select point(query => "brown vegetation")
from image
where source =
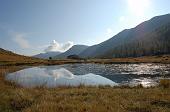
[(165, 83), (81, 99), (11, 60)]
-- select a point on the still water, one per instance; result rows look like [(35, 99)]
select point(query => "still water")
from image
[(91, 75)]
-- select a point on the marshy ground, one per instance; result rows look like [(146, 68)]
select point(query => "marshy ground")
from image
[(82, 99)]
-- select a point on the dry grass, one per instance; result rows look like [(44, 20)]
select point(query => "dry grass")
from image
[(165, 83), (91, 99), (17, 60), (81, 99), (144, 59)]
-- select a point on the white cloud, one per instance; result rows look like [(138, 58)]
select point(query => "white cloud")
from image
[(55, 46), (19, 38)]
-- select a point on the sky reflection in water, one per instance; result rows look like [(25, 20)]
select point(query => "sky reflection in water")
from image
[(91, 74), (36, 77)]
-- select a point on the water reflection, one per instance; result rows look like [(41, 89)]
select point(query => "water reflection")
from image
[(110, 69), (51, 77), (145, 82), (59, 73), (91, 74)]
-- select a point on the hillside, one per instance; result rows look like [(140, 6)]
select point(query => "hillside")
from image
[(47, 55), (10, 57), (151, 37), (74, 50)]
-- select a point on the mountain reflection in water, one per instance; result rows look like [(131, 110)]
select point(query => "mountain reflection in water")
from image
[(36, 77), (91, 74)]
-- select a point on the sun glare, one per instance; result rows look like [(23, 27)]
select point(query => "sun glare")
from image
[(138, 7)]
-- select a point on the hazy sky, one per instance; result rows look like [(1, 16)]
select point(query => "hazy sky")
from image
[(32, 26)]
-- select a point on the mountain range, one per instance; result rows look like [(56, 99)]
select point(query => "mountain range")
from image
[(151, 37), (47, 55), (74, 50)]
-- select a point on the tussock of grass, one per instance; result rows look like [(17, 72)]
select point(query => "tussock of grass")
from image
[(165, 83)]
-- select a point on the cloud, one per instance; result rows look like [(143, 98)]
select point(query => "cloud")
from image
[(60, 47), (19, 38)]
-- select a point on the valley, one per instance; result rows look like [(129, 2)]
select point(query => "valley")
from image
[(128, 72)]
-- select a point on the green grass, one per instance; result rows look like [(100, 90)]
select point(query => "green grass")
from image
[(81, 99)]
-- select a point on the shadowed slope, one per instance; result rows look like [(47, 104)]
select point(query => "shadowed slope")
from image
[(148, 38)]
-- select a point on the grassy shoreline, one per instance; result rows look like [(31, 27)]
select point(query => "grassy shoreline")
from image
[(81, 99), (165, 59)]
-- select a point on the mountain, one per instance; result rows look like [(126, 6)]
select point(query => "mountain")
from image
[(8, 56), (151, 37), (74, 50), (47, 55), (3, 51)]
